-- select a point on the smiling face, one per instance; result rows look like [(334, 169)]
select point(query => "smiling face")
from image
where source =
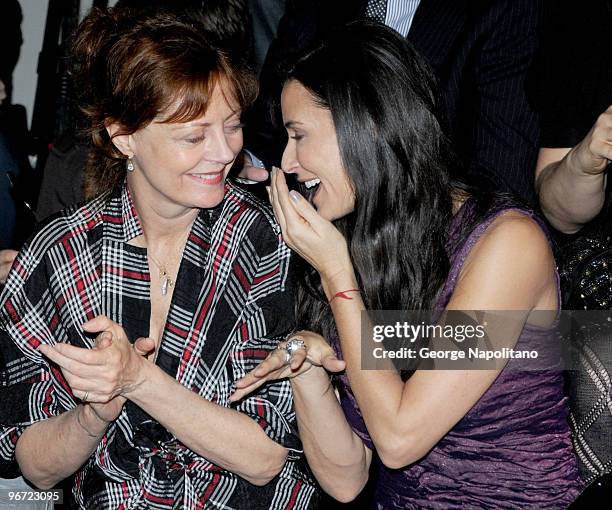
[(312, 152), (183, 165)]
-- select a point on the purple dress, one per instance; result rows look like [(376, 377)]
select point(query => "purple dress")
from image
[(511, 450)]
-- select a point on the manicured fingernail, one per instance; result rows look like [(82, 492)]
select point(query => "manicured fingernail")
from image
[(295, 196)]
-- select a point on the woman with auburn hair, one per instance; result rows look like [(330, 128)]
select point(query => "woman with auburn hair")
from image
[(125, 322), (385, 228)]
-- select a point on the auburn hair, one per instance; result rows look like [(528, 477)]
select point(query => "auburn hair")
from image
[(131, 68)]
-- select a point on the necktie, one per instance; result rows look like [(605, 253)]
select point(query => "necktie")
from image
[(377, 10)]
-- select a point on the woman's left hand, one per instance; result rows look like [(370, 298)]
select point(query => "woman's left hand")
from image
[(316, 353), (314, 238), (112, 369)]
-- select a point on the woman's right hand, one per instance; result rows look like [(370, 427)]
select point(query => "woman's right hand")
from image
[(109, 411), (594, 153), (99, 376), (317, 353)]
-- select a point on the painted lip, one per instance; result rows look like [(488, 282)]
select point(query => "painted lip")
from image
[(303, 181), (208, 178)]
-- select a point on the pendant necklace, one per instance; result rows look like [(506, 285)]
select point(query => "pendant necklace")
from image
[(164, 276), (167, 281)]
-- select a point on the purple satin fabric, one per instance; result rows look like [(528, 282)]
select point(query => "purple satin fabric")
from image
[(511, 450)]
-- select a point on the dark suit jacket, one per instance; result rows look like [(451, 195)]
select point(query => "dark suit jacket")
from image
[(481, 51)]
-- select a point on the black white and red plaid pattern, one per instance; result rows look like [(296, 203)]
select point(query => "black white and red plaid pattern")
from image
[(232, 303)]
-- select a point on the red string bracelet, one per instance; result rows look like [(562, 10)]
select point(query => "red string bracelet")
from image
[(342, 294)]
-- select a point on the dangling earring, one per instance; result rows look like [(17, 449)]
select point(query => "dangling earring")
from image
[(129, 165)]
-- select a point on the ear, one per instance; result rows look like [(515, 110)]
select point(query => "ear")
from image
[(123, 142)]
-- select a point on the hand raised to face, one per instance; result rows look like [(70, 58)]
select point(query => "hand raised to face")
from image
[(314, 238)]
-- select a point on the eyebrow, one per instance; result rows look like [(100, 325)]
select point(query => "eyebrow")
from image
[(206, 124), (190, 126), (291, 124)]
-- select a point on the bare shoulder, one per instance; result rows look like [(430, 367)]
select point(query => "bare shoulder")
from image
[(511, 265), (516, 233)]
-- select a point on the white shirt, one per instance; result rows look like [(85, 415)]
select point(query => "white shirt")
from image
[(400, 14)]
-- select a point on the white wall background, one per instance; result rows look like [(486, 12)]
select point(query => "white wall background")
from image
[(33, 28)]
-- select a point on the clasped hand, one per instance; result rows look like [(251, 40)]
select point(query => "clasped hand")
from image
[(105, 374)]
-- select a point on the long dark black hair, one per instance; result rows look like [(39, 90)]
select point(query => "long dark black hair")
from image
[(381, 94)]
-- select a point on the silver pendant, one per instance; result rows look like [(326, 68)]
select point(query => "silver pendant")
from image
[(164, 286)]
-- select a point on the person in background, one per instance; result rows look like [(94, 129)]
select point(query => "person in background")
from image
[(10, 41), (125, 322), (9, 169), (265, 14), (574, 97), (481, 52), (573, 93)]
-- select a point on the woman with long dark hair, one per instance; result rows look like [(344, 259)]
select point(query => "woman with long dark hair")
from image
[(387, 228)]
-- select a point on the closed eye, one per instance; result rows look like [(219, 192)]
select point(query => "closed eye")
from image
[(195, 140), (234, 128)]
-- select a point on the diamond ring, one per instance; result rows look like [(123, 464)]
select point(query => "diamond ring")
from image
[(292, 345)]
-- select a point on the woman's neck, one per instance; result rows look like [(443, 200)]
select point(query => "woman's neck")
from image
[(164, 226)]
